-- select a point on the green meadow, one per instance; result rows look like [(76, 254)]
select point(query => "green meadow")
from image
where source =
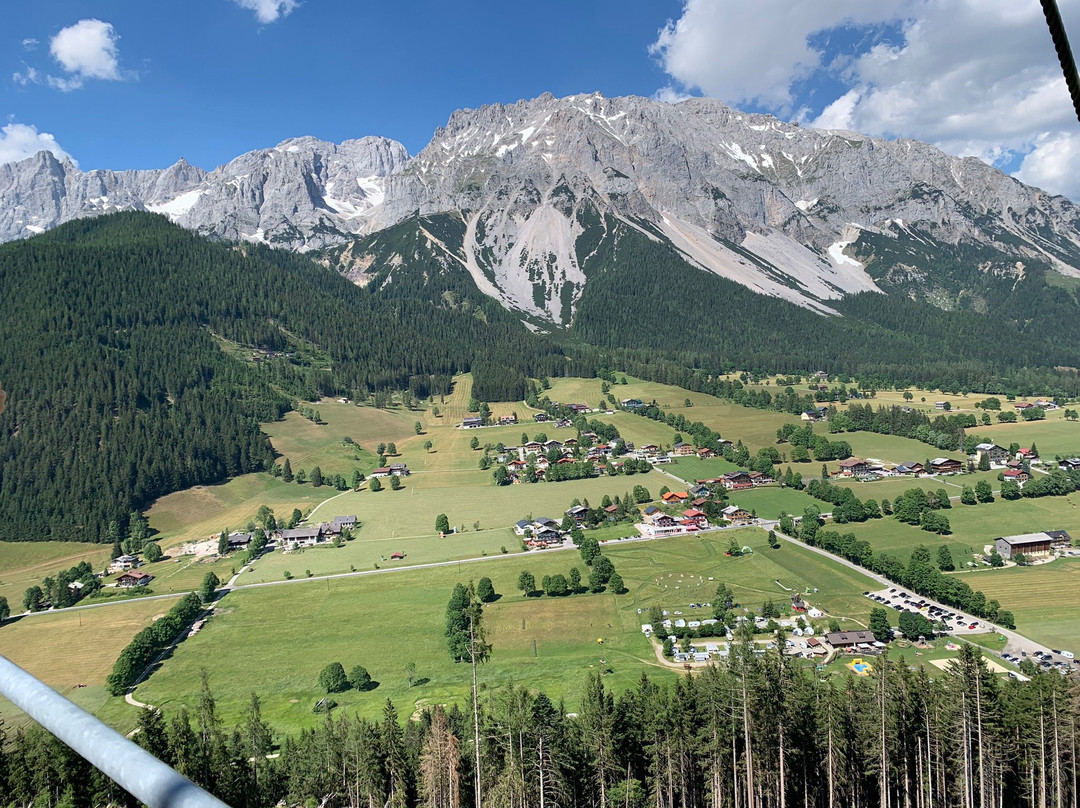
[(1043, 598), (274, 640), (24, 564)]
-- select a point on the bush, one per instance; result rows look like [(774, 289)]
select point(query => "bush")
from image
[(152, 552)]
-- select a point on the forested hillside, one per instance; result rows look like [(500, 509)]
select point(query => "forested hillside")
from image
[(645, 300), (119, 391)]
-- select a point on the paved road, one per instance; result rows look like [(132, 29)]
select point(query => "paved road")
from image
[(1015, 642)]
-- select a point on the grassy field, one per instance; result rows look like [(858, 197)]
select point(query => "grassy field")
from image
[(275, 640), (973, 526), (75, 648), (770, 501), (1044, 599), (206, 510), (756, 428), (892, 487), (412, 511), (1054, 436), (182, 573), (24, 564), (692, 469)]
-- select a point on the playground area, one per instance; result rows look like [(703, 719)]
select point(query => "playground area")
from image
[(860, 668)]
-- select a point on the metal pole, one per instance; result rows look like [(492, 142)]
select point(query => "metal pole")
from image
[(133, 768)]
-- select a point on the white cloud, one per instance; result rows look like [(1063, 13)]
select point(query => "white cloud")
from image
[(30, 43), (19, 141), (1054, 164), (670, 95), (974, 77), (86, 50), (268, 11), (754, 51)]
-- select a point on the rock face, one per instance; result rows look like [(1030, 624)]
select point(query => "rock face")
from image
[(534, 187), (300, 194)]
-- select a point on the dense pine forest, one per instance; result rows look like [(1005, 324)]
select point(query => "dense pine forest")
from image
[(120, 387), (754, 732), (644, 301)]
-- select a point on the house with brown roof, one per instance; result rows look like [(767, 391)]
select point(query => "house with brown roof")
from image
[(675, 497), (737, 515), (134, 578), (853, 467), (945, 465)]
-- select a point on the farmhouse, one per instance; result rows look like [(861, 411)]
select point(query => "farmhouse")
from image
[(913, 468), (706, 453), (632, 403), (853, 467), (683, 449), (124, 562), (1070, 464), (940, 405), (577, 513), (1032, 544), (1018, 475), (997, 455), (239, 541), (507, 420), (540, 417), (675, 497), (945, 465), (757, 478), (846, 640), (472, 422), (1022, 405), (345, 521), (736, 480), (737, 515), (293, 538), (134, 578)]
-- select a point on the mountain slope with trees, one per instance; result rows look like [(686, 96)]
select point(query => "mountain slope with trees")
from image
[(121, 388)]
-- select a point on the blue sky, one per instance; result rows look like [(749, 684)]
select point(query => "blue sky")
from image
[(206, 80), (126, 84)]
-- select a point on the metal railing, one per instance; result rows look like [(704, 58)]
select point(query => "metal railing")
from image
[(133, 768)]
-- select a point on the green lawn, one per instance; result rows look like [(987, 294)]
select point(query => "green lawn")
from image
[(24, 564), (692, 469), (1044, 599), (1054, 436), (206, 510), (274, 640), (973, 526), (768, 502)]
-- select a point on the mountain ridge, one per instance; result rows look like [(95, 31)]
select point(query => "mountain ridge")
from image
[(805, 215)]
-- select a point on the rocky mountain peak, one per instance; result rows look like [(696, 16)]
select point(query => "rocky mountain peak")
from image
[(535, 186)]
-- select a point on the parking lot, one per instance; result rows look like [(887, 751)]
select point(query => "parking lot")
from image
[(1015, 650)]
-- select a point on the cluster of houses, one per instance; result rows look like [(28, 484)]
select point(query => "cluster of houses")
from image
[(295, 538), (860, 469), (738, 480), (538, 454), (131, 576), (657, 522)]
